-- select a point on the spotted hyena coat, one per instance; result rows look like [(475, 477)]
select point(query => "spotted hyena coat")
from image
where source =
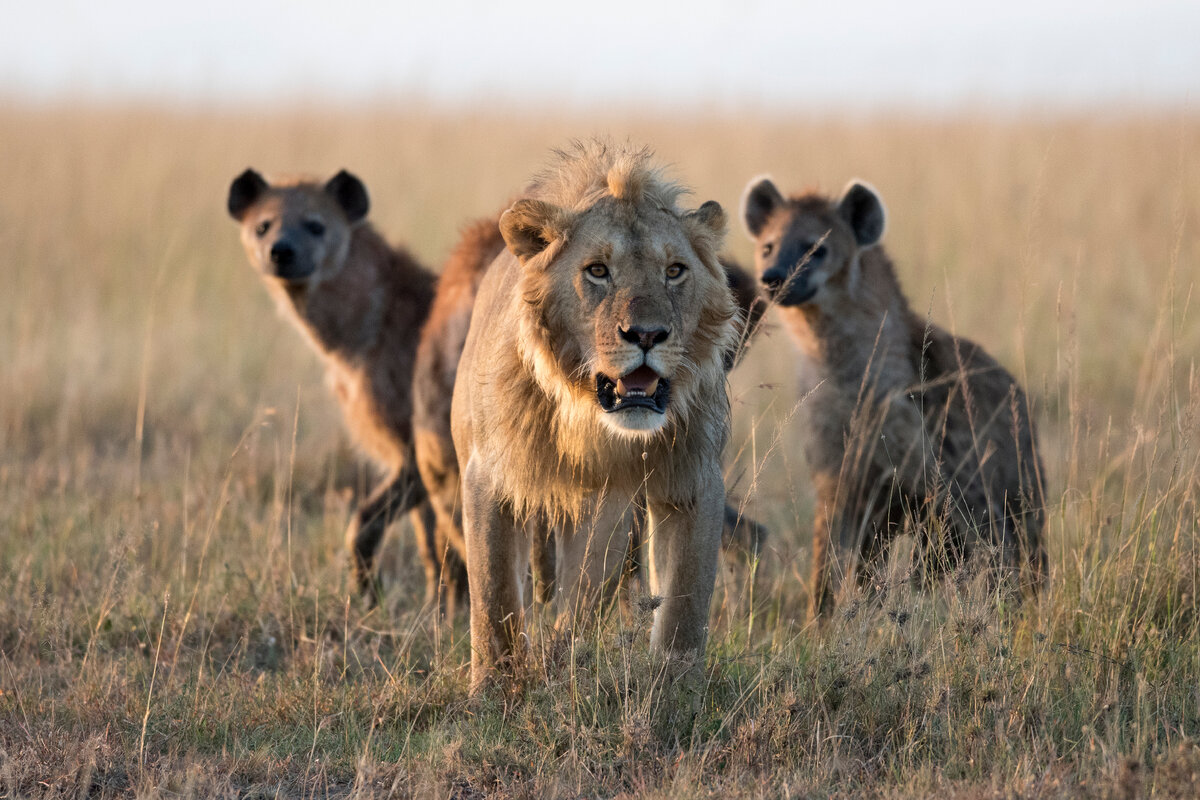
[(361, 304), (905, 422)]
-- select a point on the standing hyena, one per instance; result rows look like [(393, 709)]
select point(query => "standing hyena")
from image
[(906, 420), (361, 305)]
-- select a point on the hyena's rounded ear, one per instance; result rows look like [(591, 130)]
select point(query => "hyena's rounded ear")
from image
[(759, 201), (529, 226), (350, 194), (862, 209), (244, 192)]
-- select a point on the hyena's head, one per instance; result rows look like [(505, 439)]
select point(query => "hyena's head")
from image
[(299, 231), (807, 247)]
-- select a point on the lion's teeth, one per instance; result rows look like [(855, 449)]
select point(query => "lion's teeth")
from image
[(624, 390)]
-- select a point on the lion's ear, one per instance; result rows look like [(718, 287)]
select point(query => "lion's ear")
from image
[(711, 216), (758, 203), (529, 226), (862, 209), (706, 227)]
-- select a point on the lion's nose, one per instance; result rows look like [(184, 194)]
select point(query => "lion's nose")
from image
[(645, 338)]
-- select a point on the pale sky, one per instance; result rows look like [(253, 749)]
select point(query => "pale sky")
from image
[(709, 53)]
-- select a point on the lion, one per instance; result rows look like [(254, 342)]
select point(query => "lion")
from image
[(442, 340), (593, 375), (907, 422), (361, 304)]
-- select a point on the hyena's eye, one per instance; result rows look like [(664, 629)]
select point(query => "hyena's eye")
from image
[(820, 252), (263, 227), (768, 248), (314, 227)]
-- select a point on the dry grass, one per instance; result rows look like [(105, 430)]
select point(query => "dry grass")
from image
[(174, 483)]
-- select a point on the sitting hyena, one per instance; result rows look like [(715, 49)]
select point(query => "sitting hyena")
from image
[(906, 420), (361, 305)]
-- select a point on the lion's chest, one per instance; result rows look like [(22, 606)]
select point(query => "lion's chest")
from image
[(561, 474)]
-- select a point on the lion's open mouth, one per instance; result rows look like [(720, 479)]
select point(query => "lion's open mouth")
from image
[(642, 388)]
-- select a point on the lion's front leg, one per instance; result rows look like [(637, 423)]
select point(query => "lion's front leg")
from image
[(684, 541), (497, 554), (590, 559)]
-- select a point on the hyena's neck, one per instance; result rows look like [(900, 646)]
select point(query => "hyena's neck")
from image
[(853, 333), (377, 289)]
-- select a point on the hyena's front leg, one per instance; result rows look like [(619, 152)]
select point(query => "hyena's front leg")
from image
[(398, 493), (844, 543), (826, 577), (684, 541), (497, 556), (741, 534)]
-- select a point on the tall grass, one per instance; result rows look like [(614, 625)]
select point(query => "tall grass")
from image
[(175, 615)]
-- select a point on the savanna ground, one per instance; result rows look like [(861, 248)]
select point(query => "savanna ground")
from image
[(175, 617)]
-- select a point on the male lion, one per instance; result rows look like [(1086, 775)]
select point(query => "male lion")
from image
[(442, 340), (593, 374), (907, 421)]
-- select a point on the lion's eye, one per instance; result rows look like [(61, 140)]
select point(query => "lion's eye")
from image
[(675, 272), (314, 227), (597, 271), (768, 248), (263, 227)]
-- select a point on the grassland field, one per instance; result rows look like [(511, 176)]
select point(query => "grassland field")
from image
[(176, 618)]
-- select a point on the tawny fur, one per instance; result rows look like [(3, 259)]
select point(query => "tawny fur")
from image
[(438, 355), (442, 340), (531, 437), (361, 305), (906, 422)]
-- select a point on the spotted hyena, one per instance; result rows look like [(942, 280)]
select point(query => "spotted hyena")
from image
[(361, 304), (907, 422)]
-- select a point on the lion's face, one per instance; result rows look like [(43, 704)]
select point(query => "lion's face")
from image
[(627, 302)]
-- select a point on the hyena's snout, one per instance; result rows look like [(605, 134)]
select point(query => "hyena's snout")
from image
[(774, 278), (789, 287), (286, 262)]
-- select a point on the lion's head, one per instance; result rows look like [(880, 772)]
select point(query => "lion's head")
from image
[(628, 308)]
